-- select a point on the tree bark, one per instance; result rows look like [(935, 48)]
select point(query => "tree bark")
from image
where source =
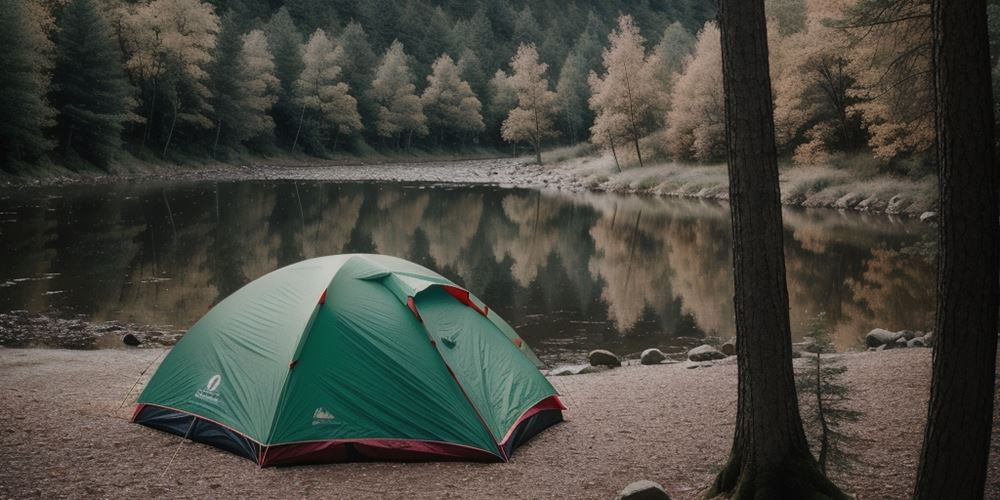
[(215, 145), (956, 447), (170, 135), (302, 117), (770, 456), (615, 155)]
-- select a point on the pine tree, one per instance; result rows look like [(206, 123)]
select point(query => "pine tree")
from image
[(92, 92), (320, 90), (399, 108), (666, 62), (284, 42), (572, 94), (225, 77), (25, 56), (531, 120), (449, 102), (827, 399), (358, 62)]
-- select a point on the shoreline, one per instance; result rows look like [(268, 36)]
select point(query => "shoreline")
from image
[(665, 423), (802, 187)]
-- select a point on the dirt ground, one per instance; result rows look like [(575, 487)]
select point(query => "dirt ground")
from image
[(61, 436)]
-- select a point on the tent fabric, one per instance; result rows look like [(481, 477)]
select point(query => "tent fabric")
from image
[(351, 357)]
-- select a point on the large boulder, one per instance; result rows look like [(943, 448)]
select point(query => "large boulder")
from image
[(705, 353), (602, 357), (643, 490), (879, 337), (652, 356)]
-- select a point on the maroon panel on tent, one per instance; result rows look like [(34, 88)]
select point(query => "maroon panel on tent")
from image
[(355, 450)]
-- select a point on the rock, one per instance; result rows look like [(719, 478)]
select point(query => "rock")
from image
[(928, 216), (896, 204), (601, 357), (928, 339), (705, 353), (900, 342), (643, 490), (908, 334), (917, 342), (879, 337), (728, 347), (129, 339), (652, 356), (849, 200)]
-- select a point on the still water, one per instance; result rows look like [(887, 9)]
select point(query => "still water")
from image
[(570, 272)]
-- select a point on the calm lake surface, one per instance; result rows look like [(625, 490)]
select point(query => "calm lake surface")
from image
[(571, 272)]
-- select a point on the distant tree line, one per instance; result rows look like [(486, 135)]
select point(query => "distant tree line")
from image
[(85, 80)]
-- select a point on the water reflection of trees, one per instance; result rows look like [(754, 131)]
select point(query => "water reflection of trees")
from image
[(558, 266)]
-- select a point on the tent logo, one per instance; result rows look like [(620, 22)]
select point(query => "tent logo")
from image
[(210, 392), (321, 416)]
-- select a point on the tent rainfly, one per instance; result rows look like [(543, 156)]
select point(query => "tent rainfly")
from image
[(352, 357)]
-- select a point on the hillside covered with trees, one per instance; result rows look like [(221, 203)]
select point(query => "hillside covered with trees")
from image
[(88, 82)]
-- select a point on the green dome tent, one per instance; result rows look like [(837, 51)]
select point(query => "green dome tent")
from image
[(351, 357)]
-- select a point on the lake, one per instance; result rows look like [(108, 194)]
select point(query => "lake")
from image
[(571, 272)]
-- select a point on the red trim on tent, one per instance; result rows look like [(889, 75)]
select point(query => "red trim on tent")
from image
[(549, 403), (371, 449), (413, 308), (463, 296), (135, 413), (322, 298)]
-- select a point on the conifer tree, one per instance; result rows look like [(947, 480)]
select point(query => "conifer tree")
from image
[(399, 108), (92, 93), (827, 399), (449, 102), (572, 93), (25, 59), (321, 91), (531, 120), (358, 62), (285, 42)]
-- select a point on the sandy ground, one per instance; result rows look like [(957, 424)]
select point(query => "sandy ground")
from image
[(60, 436)]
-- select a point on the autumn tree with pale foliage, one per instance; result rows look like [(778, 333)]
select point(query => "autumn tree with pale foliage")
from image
[(531, 120), (624, 97), (169, 45), (320, 90), (696, 122), (259, 85), (399, 108), (449, 102)]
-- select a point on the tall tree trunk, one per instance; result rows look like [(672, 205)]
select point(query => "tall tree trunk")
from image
[(615, 154), (215, 145), (170, 135), (302, 117), (770, 456), (631, 114), (149, 120), (956, 447)]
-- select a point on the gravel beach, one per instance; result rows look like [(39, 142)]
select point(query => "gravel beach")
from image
[(61, 436)]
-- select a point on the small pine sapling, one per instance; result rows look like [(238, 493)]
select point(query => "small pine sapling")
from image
[(826, 399)]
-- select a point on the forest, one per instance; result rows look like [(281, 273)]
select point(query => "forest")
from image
[(92, 83)]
